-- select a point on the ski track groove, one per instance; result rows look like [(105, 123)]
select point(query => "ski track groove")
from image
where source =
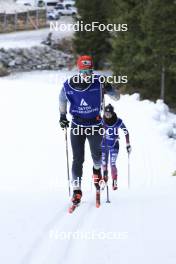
[(79, 224), (84, 220), (90, 222), (37, 242), (79, 215)]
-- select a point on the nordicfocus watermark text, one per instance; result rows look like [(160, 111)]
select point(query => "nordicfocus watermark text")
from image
[(112, 79), (88, 235), (89, 131), (102, 183), (89, 27)]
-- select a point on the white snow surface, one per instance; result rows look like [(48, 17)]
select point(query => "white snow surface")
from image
[(138, 226)]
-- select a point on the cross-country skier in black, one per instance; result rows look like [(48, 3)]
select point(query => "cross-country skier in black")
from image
[(110, 143), (85, 93)]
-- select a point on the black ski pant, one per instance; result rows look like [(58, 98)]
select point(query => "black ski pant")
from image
[(78, 136)]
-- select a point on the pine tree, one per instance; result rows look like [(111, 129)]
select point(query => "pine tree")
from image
[(95, 43), (127, 56), (159, 22), (148, 49)]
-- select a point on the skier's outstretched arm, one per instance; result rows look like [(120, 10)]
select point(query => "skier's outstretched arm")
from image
[(62, 102), (127, 136)]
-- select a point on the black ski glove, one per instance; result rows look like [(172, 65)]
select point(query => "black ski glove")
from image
[(64, 123), (128, 147)]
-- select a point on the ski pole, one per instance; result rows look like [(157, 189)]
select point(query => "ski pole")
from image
[(66, 148), (128, 170), (107, 193), (107, 188), (105, 174)]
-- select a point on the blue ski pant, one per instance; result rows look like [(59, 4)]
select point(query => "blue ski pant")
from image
[(111, 152)]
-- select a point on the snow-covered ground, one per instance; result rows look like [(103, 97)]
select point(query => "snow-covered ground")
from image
[(138, 226), (10, 6), (30, 38)]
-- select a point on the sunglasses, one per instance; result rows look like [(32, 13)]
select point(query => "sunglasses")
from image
[(86, 71)]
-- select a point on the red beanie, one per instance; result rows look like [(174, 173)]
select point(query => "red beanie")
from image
[(85, 62)]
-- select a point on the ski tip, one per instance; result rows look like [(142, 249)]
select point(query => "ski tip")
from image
[(71, 209), (97, 205)]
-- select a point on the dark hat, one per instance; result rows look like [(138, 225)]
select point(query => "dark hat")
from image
[(109, 108)]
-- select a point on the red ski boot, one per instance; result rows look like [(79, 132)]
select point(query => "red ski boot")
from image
[(76, 199), (97, 178)]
